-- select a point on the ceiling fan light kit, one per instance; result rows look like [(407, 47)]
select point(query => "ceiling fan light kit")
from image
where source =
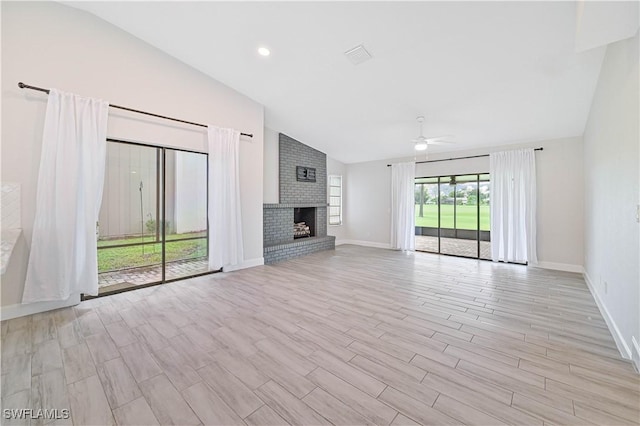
[(421, 142)]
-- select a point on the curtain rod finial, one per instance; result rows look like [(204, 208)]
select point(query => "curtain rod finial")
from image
[(21, 85)]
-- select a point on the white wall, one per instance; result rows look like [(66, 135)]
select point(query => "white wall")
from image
[(51, 45), (335, 167), (612, 243), (367, 203), (559, 190), (271, 186)]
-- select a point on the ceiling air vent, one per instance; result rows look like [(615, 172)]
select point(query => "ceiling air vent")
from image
[(358, 55)]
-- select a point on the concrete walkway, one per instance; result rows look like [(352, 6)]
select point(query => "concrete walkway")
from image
[(109, 281)]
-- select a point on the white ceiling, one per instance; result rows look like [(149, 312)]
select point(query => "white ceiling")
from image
[(490, 73)]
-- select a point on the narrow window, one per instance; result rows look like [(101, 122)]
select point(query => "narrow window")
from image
[(335, 200)]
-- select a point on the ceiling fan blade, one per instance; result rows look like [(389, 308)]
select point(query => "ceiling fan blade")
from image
[(441, 137), (432, 142)]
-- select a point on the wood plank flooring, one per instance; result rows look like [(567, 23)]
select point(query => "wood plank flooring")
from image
[(351, 336)]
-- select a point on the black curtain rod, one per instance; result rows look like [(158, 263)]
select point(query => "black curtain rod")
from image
[(459, 158), (40, 89)]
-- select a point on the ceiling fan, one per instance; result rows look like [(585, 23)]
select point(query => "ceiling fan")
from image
[(421, 142)]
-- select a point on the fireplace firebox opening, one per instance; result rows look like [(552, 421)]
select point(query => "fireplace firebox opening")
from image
[(304, 222)]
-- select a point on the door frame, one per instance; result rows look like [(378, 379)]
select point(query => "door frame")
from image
[(161, 162), (477, 181)]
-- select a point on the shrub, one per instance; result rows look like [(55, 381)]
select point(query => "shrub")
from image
[(151, 226)]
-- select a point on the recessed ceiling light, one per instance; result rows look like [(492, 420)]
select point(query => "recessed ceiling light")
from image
[(264, 51)]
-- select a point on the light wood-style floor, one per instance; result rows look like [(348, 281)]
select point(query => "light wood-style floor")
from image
[(345, 337)]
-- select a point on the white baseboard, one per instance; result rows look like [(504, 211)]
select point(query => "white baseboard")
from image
[(623, 348), (20, 310), (244, 265), (364, 243), (635, 356), (566, 267)]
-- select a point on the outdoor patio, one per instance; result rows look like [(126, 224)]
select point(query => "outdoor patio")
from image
[(116, 280), (455, 246)]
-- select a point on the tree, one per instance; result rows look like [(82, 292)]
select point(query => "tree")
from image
[(472, 199), (484, 197)]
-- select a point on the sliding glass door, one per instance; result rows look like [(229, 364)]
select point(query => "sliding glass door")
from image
[(427, 215), (452, 215), (484, 200), (153, 220), (186, 244)]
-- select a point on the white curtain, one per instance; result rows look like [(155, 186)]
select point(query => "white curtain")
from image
[(63, 259), (403, 202), (225, 219), (513, 206)]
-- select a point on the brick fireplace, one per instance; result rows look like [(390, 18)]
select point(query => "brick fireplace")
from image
[(303, 198)]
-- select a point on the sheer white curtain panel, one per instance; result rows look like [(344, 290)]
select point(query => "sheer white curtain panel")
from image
[(63, 260), (403, 206), (225, 217), (513, 206)]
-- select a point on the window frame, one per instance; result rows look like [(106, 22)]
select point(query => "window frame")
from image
[(341, 197)]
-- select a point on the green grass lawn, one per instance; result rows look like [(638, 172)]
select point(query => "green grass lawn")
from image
[(149, 238), (113, 259), (466, 217)]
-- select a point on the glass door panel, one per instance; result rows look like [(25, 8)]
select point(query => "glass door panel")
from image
[(185, 227), (448, 207), (463, 241), (484, 198), (427, 214), (129, 249), (446, 203)]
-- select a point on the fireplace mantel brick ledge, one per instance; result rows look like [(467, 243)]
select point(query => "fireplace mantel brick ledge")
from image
[(294, 206)]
